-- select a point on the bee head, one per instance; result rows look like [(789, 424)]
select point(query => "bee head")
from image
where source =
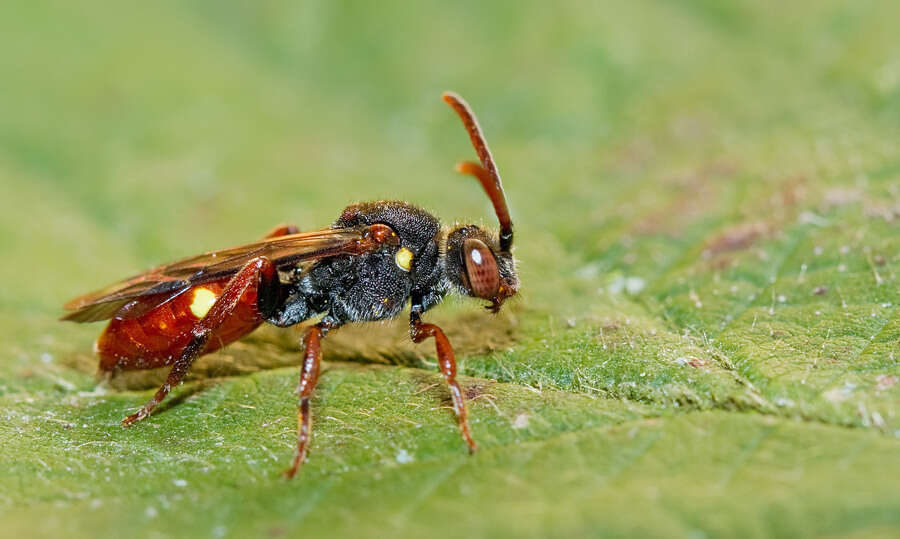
[(478, 264)]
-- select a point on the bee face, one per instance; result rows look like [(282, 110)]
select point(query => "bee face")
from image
[(478, 268)]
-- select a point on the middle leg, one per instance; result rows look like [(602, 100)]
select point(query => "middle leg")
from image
[(309, 376)]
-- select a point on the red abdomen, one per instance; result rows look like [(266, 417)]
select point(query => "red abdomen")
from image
[(157, 338)]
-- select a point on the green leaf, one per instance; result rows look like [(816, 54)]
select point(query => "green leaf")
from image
[(707, 208)]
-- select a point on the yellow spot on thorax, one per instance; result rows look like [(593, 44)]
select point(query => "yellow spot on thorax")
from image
[(202, 301), (403, 258)]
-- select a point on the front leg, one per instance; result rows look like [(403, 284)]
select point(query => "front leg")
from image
[(419, 331)]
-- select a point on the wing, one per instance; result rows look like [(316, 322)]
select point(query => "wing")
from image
[(142, 293)]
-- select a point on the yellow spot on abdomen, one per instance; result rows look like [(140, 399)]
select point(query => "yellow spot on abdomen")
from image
[(202, 301), (404, 258)]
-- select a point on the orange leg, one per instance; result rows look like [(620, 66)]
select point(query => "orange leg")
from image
[(281, 230), (258, 272), (421, 331), (309, 376)]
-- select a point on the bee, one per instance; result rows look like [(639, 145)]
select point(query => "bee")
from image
[(373, 260)]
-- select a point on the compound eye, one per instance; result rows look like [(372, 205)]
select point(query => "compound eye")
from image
[(481, 269)]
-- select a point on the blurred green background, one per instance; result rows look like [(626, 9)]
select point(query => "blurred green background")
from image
[(707, 203)]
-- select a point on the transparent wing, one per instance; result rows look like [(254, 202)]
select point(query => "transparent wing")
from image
[(160, 285)]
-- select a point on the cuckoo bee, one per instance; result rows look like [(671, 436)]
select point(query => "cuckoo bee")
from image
[(373, 260)]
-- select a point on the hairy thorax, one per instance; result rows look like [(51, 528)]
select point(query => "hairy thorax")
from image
[(376, 285)]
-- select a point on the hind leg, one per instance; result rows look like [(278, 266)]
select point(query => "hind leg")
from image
[(281, 230), (258, 272)]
